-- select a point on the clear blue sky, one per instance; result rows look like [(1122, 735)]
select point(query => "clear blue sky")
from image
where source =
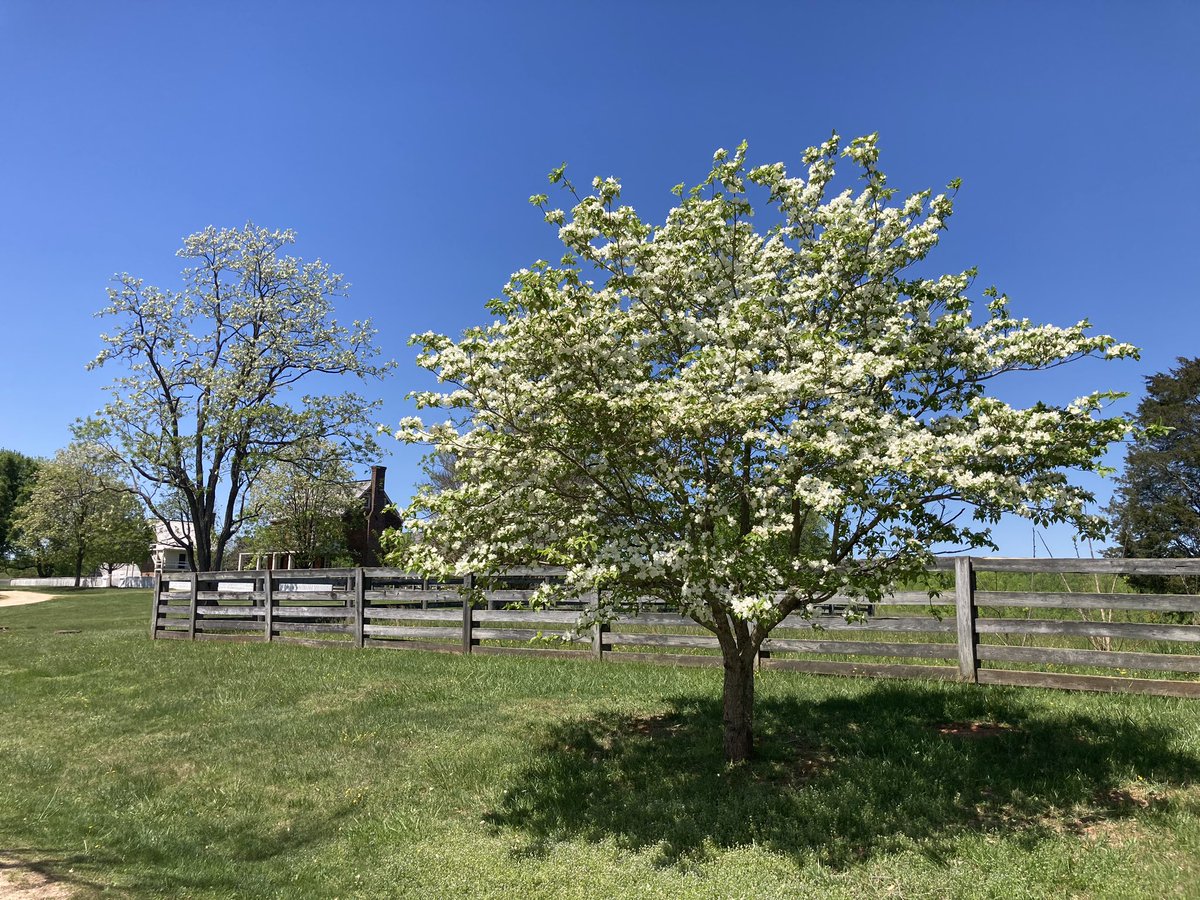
[(401, 141)]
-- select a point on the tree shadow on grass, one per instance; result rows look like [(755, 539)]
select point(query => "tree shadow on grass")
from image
[(206, 855), (844, 779)]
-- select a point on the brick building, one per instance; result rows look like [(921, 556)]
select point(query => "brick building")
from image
[(363, 528)]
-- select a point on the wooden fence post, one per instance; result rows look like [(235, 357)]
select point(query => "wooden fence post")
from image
[(964, 603), (195, 598), (598, 630), (268, 606), (468, 613), (156, 598), (360, 602)]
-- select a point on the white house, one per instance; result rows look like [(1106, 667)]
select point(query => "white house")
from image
[(168, 554)]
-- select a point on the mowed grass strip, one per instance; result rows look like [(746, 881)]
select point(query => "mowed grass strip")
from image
[(228, 770)]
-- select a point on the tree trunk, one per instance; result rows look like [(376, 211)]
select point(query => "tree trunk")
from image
[(78, 567), (739, 708)]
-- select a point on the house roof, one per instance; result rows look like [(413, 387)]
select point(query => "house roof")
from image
[(163, 539)]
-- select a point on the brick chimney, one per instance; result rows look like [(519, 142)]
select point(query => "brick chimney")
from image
[(376, 503)]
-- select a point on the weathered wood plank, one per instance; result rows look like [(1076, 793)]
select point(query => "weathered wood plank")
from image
[(1103, 683), (1052, 600), (869, 670), (1162, 662), (416, 596), (301, 612), (342, 598), (468, 619), (964, 618), (526, 634), (247, 576), (320, 628), (1089, 566), (916, 598), (413, 645), (232, 611), (325, 608), (862, 648), (155, 602), (173, 635), (414, 615), (525, 572), (508, 595), (1132, 630), (900, 623), (230, 638), (980, 563), (244, 596), (1110, 659), (311, 574), (177, 609), (193, 600), (672, 619), (409, 595), (537, 616), (360, 605), (413, 631), (900, 598), (628, 638), (385, 572), (211, 625), (268, 607)]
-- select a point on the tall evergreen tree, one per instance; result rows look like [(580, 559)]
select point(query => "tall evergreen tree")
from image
[(1156, 508)]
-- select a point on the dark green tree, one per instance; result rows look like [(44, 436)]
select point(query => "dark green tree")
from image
[(16, 481), (1155, 510)]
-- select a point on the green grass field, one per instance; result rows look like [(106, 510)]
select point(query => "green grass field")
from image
[(245, 770)]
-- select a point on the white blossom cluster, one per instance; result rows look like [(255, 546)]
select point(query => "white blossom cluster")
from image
[(746, 422)]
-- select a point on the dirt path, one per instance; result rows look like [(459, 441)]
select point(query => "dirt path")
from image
[(22, 881), (21, 598)]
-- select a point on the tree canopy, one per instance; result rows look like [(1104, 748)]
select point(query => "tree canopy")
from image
[(79, 515), (1156, 507), (207, 400), (670, 409), (303, 506)]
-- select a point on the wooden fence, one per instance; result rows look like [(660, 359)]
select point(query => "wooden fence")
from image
[(1063, 638)]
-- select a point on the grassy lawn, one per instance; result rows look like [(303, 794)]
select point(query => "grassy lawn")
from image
[(222, 770)]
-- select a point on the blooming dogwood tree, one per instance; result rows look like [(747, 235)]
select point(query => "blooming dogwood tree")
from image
[(681, 423), (208, 397)]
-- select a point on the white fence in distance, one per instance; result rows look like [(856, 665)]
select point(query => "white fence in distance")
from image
[(90, 581)]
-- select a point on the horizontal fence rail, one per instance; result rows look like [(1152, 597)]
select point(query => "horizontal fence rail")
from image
[(1063, 638)]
